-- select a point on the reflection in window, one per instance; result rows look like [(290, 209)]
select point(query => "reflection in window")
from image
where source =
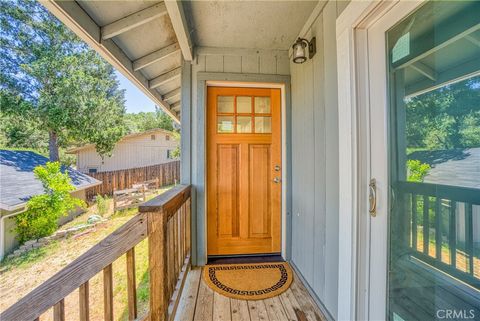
[(225, 124), (263, 124), (244, 104), (434, 223), (244, 124), (225, 104)]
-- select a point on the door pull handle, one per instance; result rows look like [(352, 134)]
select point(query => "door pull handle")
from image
[(372, 197)]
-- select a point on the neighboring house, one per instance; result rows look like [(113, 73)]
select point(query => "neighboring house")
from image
[(151, 147), (18, 184)]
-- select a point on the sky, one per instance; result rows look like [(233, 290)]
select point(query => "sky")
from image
[(135, 100)]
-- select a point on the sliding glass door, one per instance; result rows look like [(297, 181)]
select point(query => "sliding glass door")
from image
[(433, 67)]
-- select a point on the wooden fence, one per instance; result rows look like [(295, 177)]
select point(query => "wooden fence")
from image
[(167, 174)]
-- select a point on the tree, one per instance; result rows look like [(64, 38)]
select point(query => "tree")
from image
[(445, 118), (48, 74), (141, 122), (43, 211)]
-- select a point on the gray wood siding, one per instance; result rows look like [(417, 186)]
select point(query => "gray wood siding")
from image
[(315, 162)]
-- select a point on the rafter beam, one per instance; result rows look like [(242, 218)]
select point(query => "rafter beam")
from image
[(172, 94), (133, 21), (180, 26), (473, 39), (424, 70), (155, 56), (75, 18), (175, 106), (164, 78)]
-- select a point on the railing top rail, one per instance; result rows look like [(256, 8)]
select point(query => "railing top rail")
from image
[(454, 193), (79, 271), (168, 202)]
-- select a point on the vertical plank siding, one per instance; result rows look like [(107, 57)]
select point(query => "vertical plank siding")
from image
[(167, 173)]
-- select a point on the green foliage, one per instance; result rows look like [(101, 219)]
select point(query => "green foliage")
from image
[(43, 211), (141, 122), (445, 118), (49, 76), (417, 170), (102, 204), (176, 152)]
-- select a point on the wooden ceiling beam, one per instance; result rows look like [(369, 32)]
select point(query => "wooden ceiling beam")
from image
[(155, 56), (164, 78), (133, 21), (180, 26)]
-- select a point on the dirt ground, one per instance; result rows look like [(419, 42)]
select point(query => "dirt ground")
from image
[(21, 275)]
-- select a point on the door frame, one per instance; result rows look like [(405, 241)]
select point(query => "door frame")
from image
[(199, 203), (354, 99)]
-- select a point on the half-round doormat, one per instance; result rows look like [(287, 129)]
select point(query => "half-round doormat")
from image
[(249, 281)]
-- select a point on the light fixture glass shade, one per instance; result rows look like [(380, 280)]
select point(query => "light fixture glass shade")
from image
[(299, 52)]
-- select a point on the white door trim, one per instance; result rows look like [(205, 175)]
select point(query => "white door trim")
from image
[(354, 127)]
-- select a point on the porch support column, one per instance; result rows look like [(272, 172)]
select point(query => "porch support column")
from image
[(186, 145)]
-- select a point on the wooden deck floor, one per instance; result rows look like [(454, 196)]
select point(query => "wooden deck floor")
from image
[(200, 303)]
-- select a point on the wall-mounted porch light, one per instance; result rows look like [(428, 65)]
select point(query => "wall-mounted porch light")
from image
[(299, 50)]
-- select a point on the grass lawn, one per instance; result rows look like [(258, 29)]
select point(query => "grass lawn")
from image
[(21, 275)]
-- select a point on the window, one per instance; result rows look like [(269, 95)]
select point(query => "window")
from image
[(244, 115), (167, 137), (169, 154), (152, 137), (92, 170), (434, 111)]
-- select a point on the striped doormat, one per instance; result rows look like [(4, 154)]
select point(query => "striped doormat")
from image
[(249, 281)]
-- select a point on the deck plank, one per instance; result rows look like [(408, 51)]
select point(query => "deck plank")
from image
[(239, 310), (307, 305), (275, 309), (204, 309), (186, 306), (258, 311), (221, 308), (200, 303)]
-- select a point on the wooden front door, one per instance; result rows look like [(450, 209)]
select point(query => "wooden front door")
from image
[(243, 170)]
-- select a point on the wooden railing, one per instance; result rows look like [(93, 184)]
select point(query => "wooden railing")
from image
[(165, 221), (422, 202)]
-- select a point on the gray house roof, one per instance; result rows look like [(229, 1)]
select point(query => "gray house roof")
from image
[(18, 183), (457, 167)]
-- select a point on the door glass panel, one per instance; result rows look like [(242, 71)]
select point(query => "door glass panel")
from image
[(225, 104), (244, 104), (434, 112), (225, 124), (262, 105), (263, 124), (244, 124)]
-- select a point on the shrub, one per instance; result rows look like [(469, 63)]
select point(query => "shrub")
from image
[(102, 204), (43, 211), (417, 170)]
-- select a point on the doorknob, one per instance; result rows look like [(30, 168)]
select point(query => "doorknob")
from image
[(372, 197), (277, 180)]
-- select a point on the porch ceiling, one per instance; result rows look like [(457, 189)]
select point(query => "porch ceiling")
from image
[(247, 24), (138, 38)]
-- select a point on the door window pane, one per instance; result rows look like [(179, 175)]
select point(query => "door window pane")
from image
[(225, 104), (434, 223), (244, 124), (262, 105), (263, 124), (244, 104), (225, 124)]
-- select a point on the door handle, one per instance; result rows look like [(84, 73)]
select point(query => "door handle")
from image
[(372, 197), (277, 180)]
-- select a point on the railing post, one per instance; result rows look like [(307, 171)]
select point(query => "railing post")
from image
[(157, 252)]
